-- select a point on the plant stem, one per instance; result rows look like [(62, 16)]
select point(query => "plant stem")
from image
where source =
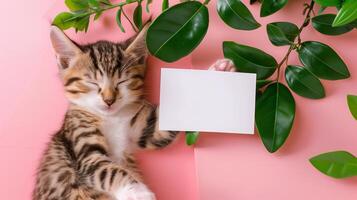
[(294, 45)]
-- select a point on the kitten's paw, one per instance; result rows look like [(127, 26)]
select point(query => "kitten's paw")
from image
[(137, 191), (223, 65)]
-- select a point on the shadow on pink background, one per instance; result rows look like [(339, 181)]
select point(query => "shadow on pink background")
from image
[(32, 107)]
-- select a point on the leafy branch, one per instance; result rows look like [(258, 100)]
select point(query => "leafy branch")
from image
[(170, 39), (294, 46)]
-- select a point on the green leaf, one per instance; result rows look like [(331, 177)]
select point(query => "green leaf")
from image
[(118, 20), (328, 2), (97, 15), (262, 83), (282, 33), (303, 82), (64, 20), (137, 16), (352, 104), (76, 5), (271, 6), (191, 137), (323, 24), (347, 14), (252, 1), (148, 2), (82, 23), (322, 61), (93, 3), (236, 15), (250, 59), (321, 10), (336, 164), (274, 117), (165, 5), (170, 37)]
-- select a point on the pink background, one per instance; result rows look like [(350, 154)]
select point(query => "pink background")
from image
[(32, 107)]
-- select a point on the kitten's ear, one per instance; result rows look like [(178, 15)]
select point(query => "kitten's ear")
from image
[(137, 44), (65, 49)]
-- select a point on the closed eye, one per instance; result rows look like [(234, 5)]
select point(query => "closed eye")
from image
[(122, 82), (93, 83)]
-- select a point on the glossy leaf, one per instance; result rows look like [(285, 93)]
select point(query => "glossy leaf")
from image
[(170, 37), (93, 3), (352, 104), (64, 20), (82, 24), (118, 20), (165, 5), (76, 5), (323, 24), (304, 83), (322, 61), (271, 6), (337, 164), (329, 2), (262, 83), (138, 16), (236, 15), (250, 59), (347, 14), (274, 117), (98, 14), (191, 137), (282, 33)]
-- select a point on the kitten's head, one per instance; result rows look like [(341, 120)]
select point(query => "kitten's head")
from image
[(103, 76)]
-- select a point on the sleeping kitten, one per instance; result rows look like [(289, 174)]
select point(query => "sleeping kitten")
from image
[(90, 157)]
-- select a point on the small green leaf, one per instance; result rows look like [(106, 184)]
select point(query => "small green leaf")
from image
[(76, 5), (118, 20), (282, 33), (191, 137), (321, 10), (64, 20), (137, 16), (323, 24), (82, 23), (148, 2), (352, 104), (262, 83), (303, 82), (336, 164), (274, 117), (236, 15), (97, 15), (271, 6), (327, 3), (170, 37), (322, 61), (165, 5), (250, 59), (347, 14), (93, 3)]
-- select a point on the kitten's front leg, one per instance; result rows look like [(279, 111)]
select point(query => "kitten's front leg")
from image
[(146, 124)]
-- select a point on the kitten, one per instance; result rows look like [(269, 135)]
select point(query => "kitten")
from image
[(90, 157)]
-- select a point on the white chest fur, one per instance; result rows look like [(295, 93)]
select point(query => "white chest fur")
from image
[(117, 132)]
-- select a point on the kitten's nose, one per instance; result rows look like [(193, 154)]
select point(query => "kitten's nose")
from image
[(109, 101)]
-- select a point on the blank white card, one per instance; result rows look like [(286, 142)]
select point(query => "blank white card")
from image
[(208, 101)]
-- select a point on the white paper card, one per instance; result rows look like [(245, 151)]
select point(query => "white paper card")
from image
[(209, 101)]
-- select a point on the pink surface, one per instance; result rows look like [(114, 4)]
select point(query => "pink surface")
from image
[(229, 166), (233, 167)]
